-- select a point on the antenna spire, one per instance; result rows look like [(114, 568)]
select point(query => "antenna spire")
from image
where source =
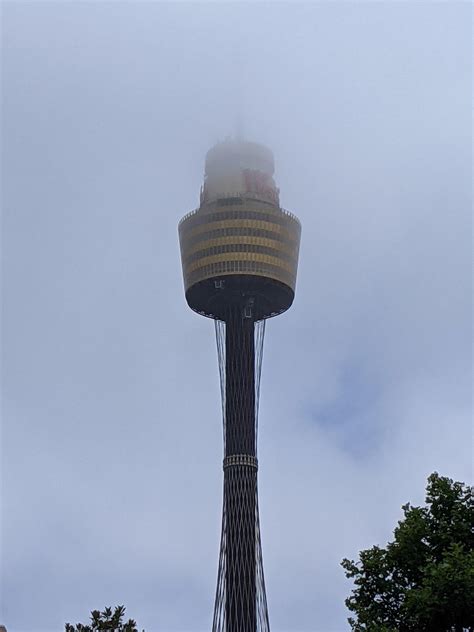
[(239, 127)]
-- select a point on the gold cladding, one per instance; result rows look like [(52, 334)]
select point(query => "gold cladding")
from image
[(231, 268), (291, 231), (282, 237), (249, 240), (241, 211), (240, 256)]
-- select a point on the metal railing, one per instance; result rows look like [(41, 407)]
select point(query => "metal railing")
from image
[(290, 214), (187, 216), (239, 195)]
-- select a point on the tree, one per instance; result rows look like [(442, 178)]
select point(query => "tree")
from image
[(423, 581), (106, 620)]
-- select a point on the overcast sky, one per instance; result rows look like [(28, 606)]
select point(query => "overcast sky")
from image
[(111, 427)]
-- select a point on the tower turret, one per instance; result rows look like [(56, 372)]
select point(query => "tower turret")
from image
[(239, 240)]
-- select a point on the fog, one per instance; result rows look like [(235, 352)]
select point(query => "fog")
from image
[(111, 426)]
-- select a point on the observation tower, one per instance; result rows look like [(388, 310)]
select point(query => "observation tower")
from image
[(239, 252)]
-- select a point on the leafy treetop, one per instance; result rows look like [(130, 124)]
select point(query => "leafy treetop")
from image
[(423, 581), (106, 620)]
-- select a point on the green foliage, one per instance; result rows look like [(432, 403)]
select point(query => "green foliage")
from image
[(423, 581), (106, 620)]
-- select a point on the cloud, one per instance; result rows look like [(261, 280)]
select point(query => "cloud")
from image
[(111, 414)]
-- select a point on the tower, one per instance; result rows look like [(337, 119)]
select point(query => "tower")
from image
[(239, 252)]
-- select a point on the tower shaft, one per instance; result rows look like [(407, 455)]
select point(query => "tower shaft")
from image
[(240, 472), (240, 382), (239, 252)]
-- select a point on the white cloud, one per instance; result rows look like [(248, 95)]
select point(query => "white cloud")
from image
[(111, 424)]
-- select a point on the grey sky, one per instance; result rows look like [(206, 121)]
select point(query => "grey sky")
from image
[(111, 431)]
